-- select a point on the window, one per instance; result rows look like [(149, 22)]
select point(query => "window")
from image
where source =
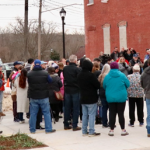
[(123, 34), (91, 2), (106, 37)]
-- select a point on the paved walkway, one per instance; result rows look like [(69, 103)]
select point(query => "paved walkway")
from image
[(69, 140)]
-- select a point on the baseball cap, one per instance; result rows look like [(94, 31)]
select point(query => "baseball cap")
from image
[(37, 62), (17, 63), (135, 55)]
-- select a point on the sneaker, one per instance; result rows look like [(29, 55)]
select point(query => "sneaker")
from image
[(21, 122), (85, 134), (2, 114), (16, 120), (148, 135), (53, 130), (124, 133), (77, 129), (1, 132), (95, 134), (111, 133), (131, 125), (141, 124), (67, 128), (105, 126)]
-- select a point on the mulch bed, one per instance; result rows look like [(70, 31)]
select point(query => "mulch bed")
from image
[(19, 141)]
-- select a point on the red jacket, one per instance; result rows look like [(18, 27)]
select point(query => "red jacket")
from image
[(2, 88)]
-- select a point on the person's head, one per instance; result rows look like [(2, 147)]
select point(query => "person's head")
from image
[(73, 59), (97, 60), (109, 60), (105, 71), (30, 61), (148, 51), (43, 64), (114, 65), (135, 57), (50, 63), (122, 49), (116, 49), (87, 65), (51, 70), (1, 67), (61, 65), (101, 53), (17, 64), (128, 51), (136, 68), (23, 78), (37, 62), (96, 67), (122, 60), (67, 62), (54, 65)]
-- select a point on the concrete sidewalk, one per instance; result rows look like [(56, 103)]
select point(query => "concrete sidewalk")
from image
[(69, 140)]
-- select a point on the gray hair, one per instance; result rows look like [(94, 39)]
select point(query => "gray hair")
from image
[(73, 58)]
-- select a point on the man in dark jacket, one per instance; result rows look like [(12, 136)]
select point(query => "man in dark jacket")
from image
[(72, 96), (89, 85), (145, 83), (38, 93), (115, 54)]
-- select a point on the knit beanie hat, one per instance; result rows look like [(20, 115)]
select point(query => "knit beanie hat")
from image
[(114, 65)]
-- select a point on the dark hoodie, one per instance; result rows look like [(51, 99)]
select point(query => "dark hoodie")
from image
[(145, 82), (88, 84)]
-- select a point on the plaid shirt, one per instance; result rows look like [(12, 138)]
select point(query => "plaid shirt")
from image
[(135, 89)]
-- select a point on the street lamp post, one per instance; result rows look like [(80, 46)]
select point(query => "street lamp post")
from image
[(63, 14)]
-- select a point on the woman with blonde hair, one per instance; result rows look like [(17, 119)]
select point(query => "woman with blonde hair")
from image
[(104, 72)]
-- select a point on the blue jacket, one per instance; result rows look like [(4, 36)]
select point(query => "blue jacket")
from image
[(115, 84)]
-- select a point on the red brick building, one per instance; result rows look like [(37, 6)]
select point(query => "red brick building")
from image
[(121, 23)]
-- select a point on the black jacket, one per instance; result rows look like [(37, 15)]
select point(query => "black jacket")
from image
[(132, 63), (88, 84), (70, 78), (128, 57), (54, 86), (38, 84)]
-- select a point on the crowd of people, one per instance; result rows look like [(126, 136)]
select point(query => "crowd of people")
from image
[(89, 89)]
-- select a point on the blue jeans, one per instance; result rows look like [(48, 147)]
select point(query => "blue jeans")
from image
[(1, 99), (89, 111), (148, 115), (35, 104), (104, 111), (72, 102)]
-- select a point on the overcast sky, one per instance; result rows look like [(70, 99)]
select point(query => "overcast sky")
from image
[(10, 9)]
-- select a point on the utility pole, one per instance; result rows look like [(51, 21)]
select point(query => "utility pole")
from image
[(39, 30), (26, 31)]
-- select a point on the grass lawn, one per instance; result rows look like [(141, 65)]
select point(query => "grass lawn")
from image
[(19, 141)]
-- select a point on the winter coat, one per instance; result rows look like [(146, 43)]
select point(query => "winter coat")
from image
[(115, 84), (124, 68), (54, 86), (38, 80), (88, 84), (127, 56), (145, 82), (22, 100), (135, 90), (70, 78)]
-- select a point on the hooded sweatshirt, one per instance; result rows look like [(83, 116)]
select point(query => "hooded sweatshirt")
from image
[(145, 82), (88, 84), (115, 84)]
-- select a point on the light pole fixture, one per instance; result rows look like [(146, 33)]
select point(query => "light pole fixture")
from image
[(63, 15)]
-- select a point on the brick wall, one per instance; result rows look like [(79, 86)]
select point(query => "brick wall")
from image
[(135, 12)]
